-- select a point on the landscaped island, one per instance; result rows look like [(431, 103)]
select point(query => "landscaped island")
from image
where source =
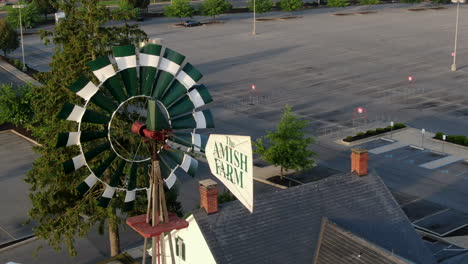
[(371, 133)]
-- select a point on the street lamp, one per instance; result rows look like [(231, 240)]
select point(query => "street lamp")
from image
[(21, 32), (423, 131), (454, 65), (254, 31), (391, 129), (444, 137)]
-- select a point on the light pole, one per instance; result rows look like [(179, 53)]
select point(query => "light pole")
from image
[(454, 65), (444, 137), (21, 32), (391, 129), (254, 31), (423, 131)]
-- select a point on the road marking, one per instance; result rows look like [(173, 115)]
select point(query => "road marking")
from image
[(440, 162)]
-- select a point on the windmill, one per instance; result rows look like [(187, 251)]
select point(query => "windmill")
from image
[(136, 131)]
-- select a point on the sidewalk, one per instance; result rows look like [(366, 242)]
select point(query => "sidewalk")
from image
[(413, 136), (19, 74)]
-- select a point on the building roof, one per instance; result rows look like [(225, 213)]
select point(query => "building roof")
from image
[(337, 245), (285, 224)]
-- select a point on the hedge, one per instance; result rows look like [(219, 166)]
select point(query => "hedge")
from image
[(456, 139), (370, 133)]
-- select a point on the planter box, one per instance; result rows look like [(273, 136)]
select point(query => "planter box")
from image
[(367, 139), (449, 143)]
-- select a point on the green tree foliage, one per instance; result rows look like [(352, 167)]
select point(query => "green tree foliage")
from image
[(46, 6), (9, 39), (261, 6), (369, 2), (125, 10), (15, 104), (411, 1), (180, 9), (288, 145), (214, 7), (60, 213), (225, 197), (337, 3), (142, 4), (30, 15), (290, 5)]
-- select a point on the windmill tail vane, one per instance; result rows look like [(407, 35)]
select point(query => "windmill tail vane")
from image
[(129, 151)]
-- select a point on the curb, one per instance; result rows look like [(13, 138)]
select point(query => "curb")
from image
[(367, 139), (18, 242), (23, 136), (18, 74)]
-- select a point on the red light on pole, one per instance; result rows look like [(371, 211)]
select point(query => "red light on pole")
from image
[(410, 78), (253, 87), (360, 110)]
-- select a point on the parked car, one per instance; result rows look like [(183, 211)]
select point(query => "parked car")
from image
[(191, 23)]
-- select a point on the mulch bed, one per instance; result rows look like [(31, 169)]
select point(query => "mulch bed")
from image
[(284, 182), (343, 14), (417, 9), (437, 8), (366, 12)]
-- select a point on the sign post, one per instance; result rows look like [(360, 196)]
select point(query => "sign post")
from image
[(230, 160)]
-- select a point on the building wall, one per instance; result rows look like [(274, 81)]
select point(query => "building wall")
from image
[(196, 248)]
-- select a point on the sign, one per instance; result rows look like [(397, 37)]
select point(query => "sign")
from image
[(230, 160)]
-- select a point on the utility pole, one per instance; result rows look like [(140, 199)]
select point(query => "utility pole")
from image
[(454, 64)]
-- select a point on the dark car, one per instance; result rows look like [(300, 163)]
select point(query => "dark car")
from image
[(191, 23)]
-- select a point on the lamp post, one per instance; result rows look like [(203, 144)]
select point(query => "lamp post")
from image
[(21, 32), (423, 131), (391, 129), (444, 137), (254, 31), (454, 65)]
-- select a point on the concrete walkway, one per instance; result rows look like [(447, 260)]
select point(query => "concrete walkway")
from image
[(19, 74)]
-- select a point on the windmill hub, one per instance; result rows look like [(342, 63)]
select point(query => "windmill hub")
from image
[(141, 130)]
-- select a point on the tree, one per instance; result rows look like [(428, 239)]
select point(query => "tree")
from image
[(9, 40), (288, 144), (261, 6), (337, 3), (369, 2), (30, 15), (214, 7), (180, 9), (291, 5), (15, 104), (46, 6), (142, 4), (60, 213)]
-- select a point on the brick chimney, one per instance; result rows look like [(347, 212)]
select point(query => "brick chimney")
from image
[(359, 158), (208, 195)]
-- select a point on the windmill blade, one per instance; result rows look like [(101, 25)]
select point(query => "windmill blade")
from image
[(130, 194), (185, 80), (185, 162), (195, 98), (77, 113), (155, 119), (168, 68), (200, 119), (193, 141), (86, 89), (149, 61), (75, 138), (89, 182), (80, 160), (125, 57), (110, 189), (103, 69), (168, 172)]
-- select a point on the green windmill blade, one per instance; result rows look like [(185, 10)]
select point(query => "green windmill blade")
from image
[(96, 173), (80, 160), (87, 90), (168, 171), (110, 189), (125, 57), (148, 61), (75, 138), (190, 140), (77, 113), (199, 119), (197, 97), (156, 119), (130, 194), (168, 68), (185, 162), (103, 69), (184, 81)]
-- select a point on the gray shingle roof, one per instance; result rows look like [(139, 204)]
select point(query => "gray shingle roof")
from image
[(285, 224), (336, 245)]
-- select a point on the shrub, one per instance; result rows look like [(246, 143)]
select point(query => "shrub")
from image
[(441, 1), (370, 132), (466, 142), (290, 5), (15, 104), (380, 130), (348, 139), (359, 135), (459, 139), (180, 9), (214, 7), (438, 135), (369, 2), (337, 3), (411, 1), (399, 125)]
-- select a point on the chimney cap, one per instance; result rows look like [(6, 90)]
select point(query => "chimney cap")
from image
[(359, 150), (207, 183)]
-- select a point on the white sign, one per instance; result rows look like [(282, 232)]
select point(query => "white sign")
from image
[(58, 16), (230, 160)]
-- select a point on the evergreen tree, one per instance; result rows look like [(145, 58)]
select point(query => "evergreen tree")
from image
[(60, 213), (261, 6), (214, 7), (9, 40), (180, 9), (288, 146)]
